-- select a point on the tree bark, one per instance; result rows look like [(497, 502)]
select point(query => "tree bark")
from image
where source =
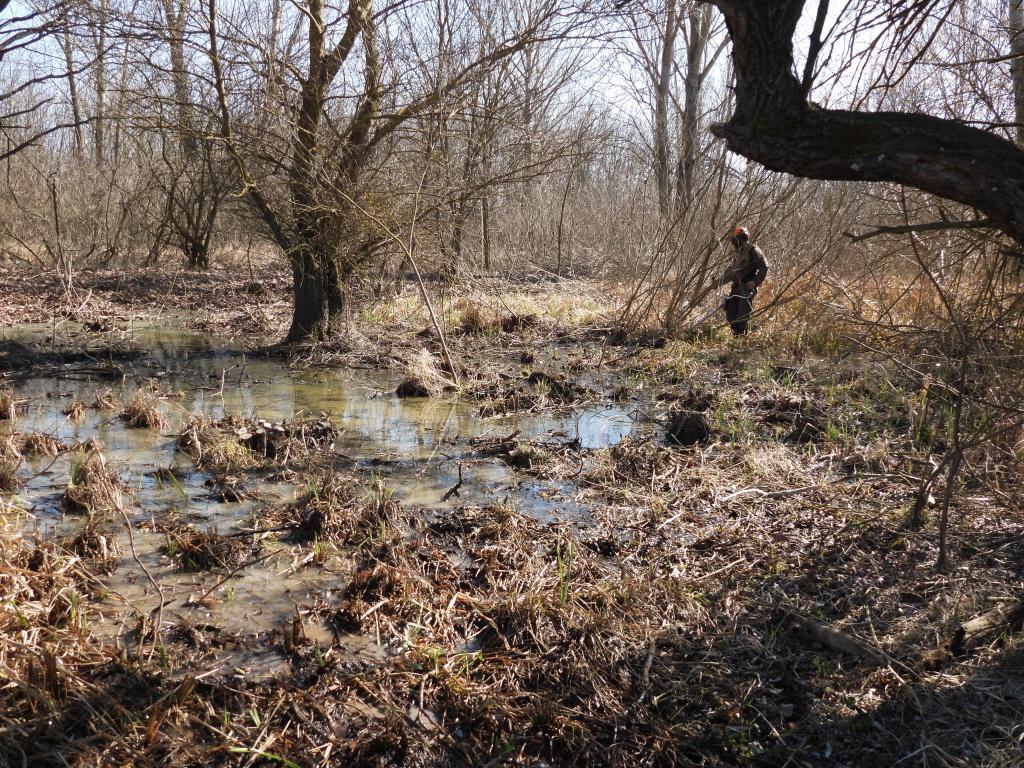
[(320, 301), (774, 125), (100, 40)]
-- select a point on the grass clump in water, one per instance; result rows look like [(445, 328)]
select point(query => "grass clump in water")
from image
[(40, 444), (105, 401), (213, 446), (206, 550), (8, 405), (143, 412), (338, 509), (423, 377), (9, 480), (99, 549), (75, 410), (93, 487)]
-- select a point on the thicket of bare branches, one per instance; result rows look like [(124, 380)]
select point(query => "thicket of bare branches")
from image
[(527, 137)]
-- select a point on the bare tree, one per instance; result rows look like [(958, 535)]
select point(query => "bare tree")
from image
[(320, 223)]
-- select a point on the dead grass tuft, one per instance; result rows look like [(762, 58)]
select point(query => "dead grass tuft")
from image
[(75, 410), (8, 405), (143, 412), (472, 319), (337, 508), (197, 550), (233, 443), (93, 487), (423, 377), (10, 447), (536, 391), (39, 444), (10, 482), (214, 444), (106, 401), (99, 549)]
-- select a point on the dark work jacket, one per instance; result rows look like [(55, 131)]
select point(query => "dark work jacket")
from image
[(748, 266)]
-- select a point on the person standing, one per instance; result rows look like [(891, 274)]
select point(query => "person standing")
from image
[(744, 276)]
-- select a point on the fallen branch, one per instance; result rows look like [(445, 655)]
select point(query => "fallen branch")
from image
[(975, 632), (830, 637), (763, 494)]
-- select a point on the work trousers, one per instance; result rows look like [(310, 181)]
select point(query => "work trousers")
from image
[(738, 307)]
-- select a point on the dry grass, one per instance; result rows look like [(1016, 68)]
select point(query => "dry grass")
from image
[(75, 410), (472, 318), (10, 447), (197, 550), (10, 481), (214, 444), (660, 628), (93, 487), (234, 443), (106, 401), (337, 508), (423, 377), (143, 412), (8, 405), (39, 444), (98, 548)]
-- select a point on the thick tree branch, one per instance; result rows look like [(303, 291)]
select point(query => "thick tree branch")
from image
[(775, 125), (931, 226)]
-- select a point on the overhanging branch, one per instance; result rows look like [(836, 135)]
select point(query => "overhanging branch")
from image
[(775, 125), (931, 226)]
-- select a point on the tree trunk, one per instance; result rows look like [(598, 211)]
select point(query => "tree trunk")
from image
[(69, 63), (700, 30), (1017, 65), (319, 296), (100, 39), (174, 20), (774, 125), (662, 97), (485, 229)]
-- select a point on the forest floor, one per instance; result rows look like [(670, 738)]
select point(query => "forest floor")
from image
[(738, 582)]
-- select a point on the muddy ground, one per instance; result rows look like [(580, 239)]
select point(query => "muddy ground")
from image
[(619, 550)]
